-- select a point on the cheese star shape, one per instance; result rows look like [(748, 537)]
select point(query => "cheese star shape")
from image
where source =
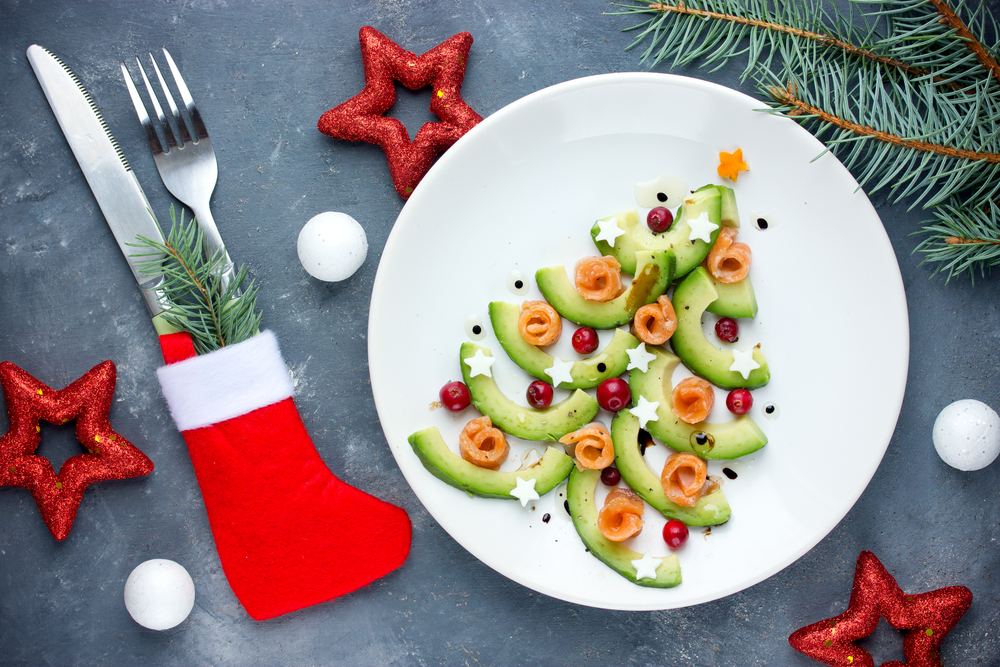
[(479, 364), (525, 491), (87, 400), (927, 618), (701, 228), (639, 358), (645, 567), (609, 231), (645, 411), (743, 362), (731, 164), (560, 372)]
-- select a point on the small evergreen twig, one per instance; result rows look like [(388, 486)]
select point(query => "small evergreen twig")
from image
[(195, 300)]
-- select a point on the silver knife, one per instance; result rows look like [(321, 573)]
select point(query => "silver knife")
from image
[(110, 177)]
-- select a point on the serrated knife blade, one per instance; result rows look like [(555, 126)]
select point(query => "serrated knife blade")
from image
[(107, 171)]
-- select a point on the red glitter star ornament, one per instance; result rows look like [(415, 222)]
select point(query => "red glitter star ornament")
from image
[(360, 118), (928, 617), (109, 455)]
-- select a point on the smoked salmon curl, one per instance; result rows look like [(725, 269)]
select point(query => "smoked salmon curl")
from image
[(693, 400), (655, 323), (599, 278), (621, 516), (591, 446), (482, 444), (539, 323), (683, 478), (729, 260)]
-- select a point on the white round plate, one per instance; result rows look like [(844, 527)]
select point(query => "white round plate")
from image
[(520, 191)]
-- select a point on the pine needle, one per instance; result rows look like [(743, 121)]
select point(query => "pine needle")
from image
[(195, 300)]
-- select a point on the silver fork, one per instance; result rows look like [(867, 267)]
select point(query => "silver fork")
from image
[(188, 167)]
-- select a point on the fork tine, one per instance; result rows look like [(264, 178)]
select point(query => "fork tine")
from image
[(164, 125), (199, 126), (181, 125), (140, 108)]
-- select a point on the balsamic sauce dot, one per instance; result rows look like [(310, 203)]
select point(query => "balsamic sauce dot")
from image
[(520, 283), (546, 517), (566, 505), (761, 224), (477, 330), (601, 367), (729, 472), (645, 440), (769, 409), (700, 438), (661, 196)]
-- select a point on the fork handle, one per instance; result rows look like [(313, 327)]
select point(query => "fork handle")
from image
[(212, 242)]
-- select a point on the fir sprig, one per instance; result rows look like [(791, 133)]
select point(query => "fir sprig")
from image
[(906, 93), (192, 290)]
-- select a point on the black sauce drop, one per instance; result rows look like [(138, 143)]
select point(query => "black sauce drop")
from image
[(761, 224), (477, 329), (518, 284), (729, 472), (645, 440), (769, 409), (601, 367), (547, 516), (660, 196), (566, 505)]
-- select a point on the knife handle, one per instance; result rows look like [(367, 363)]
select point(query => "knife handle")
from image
[(162, 326)]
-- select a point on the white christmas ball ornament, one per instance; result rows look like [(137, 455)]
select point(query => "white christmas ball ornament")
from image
[(967, 435), (159, 594), (332, 246)]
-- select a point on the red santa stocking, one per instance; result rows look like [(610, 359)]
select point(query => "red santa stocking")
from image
[(289, 533)]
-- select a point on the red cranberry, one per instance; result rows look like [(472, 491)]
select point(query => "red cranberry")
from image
[(727, 329), (610, 476), (455, 396), (675, 534), (585, 340), (659, 219), (539, 394), (739, 401), (614, 394)]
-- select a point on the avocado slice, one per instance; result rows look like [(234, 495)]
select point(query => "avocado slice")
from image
[(722, 440), (580, 495), (734, 300), (690, 300), (728, 214), (712, 508), (448, 466), (586, 373), (653, 277), (639, 237), (521, 421)]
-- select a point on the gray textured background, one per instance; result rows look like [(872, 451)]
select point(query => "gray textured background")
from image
[(262, 73)]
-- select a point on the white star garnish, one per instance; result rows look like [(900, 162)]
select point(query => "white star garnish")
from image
[(645, 567), (702, 228), (639, 358), (609, 231), (560, 371), (525, 491), (743, 362), (479, 364), (645, 411)]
